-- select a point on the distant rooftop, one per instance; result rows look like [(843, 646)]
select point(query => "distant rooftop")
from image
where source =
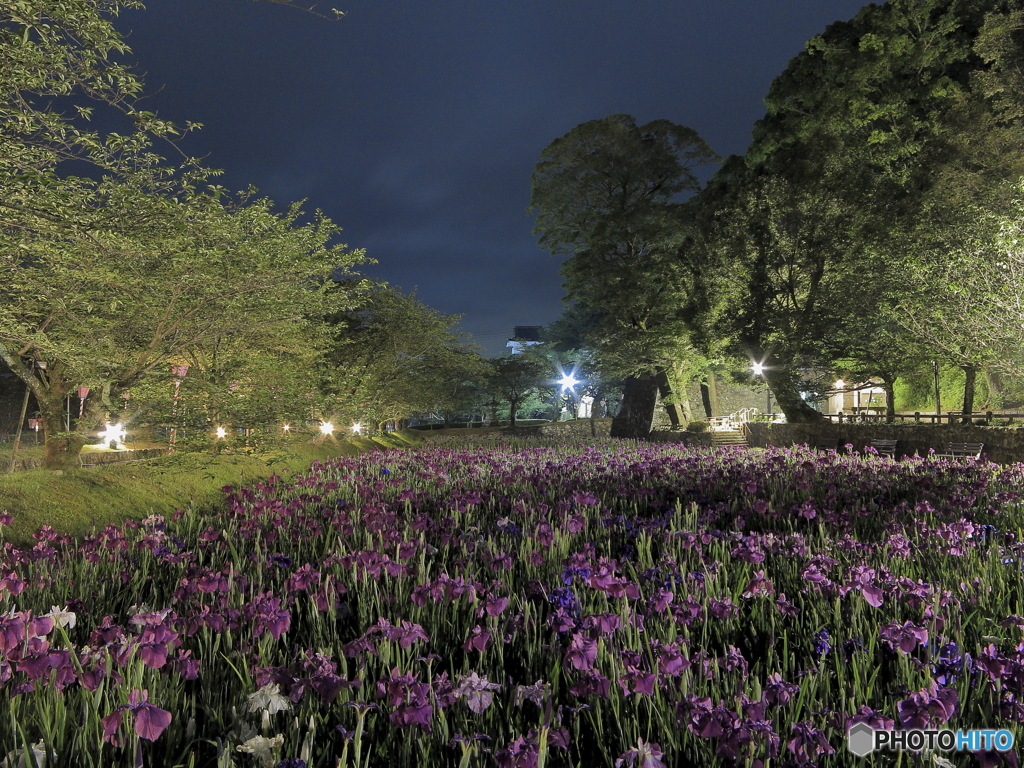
[(527, 333)]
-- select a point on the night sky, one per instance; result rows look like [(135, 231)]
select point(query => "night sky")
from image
[(415, 125)]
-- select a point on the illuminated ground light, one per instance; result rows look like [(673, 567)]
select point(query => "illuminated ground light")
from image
[(112, 435), (327, 428), (287, 427)]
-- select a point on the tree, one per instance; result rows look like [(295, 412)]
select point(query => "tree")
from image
[(394, 356), (878, 142), (514, 378), (116, 262), (109, 308), (606, 197)]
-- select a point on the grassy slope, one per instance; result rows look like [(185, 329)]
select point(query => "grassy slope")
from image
[(79, 500)]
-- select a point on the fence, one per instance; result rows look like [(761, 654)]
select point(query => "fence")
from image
[(877, 415)]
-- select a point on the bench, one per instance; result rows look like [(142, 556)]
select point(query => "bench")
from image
[(884, 447), (961, 451), (827, 444)]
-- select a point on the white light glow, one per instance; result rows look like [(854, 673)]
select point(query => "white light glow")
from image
[(568, 381), (113, 433), (357, 428), (757, 368), (287, 427), (327, 428), (840, 384), (221, 432)]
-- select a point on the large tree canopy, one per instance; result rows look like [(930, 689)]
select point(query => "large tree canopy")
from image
[(882, 143), (115, 262), (607, 197), (393, 356)]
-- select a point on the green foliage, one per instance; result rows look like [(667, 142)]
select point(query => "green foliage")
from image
[(885, 148), (606, 196), (393, 356), (515, 378), (133, 263)]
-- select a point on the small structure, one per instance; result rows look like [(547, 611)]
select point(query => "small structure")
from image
[(852, 398), (524, 336)]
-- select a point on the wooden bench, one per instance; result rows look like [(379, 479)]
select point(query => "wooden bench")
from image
[(961, 451), (827, 444), (885, 447)]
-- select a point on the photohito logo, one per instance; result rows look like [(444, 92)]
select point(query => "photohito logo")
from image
[(862, 740)]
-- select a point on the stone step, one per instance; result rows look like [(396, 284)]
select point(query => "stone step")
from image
[(728, 437)]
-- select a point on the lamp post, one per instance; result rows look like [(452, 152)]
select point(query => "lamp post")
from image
[(758, 369), (568, 381)]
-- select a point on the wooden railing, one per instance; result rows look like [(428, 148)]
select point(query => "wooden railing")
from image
[(877, 415), (733, 420)]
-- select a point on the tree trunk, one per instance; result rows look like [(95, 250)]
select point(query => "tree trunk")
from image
[(61, 448), (705, 398), (971, 374), (670, 399), (890, 398), (513, 407), (783, 383), (994, 384), (636, 415), (598, 393), (716, 405)]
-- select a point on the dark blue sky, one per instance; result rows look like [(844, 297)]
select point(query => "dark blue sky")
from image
[(415, 125)]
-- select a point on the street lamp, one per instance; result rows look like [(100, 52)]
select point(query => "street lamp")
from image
[(568, 381), (326, 428), (758, 369), (221, 432)]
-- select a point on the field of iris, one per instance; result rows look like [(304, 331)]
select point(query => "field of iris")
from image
[(526, 603)]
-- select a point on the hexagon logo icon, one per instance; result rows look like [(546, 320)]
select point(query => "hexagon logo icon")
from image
[(860, 739)]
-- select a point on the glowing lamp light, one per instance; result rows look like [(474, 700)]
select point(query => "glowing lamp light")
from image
[(357, 428), (112, 434), (287, 427), (839, 384), (221, 432), (568, 381), (327, 428), (757, 368)]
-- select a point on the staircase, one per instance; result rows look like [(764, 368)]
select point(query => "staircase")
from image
[(729, 430), (721, 437)]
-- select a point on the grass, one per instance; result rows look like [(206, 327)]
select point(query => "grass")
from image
[(79, 500)]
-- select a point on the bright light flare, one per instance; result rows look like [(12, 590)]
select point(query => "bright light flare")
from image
[(113, 433), (757, 368), (327, 428), (221, 432), (840, 384), (287, 427), (568, 381), (357, 428)]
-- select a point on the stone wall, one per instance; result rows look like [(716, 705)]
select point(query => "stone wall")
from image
[(94, 459), (1003, 445)]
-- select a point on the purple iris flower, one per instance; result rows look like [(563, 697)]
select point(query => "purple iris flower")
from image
[(150, 720), (821, 643)]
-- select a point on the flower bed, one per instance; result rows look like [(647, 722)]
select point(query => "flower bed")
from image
[(527, 603)]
